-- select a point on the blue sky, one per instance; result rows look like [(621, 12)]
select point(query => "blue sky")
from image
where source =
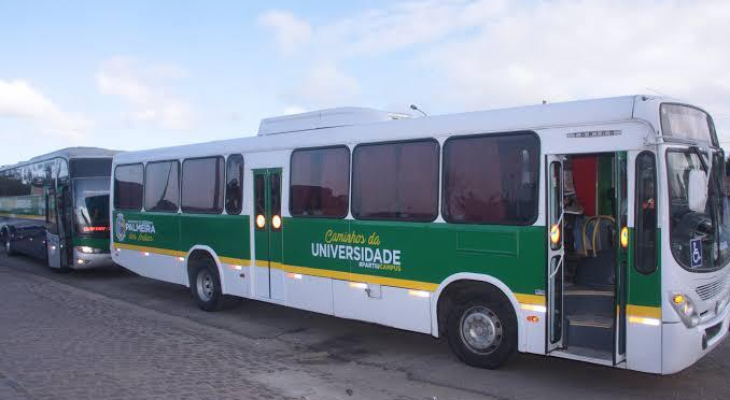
[(132, 75)]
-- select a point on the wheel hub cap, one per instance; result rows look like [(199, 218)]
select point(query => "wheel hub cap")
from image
[(205, 285), (481, 330)]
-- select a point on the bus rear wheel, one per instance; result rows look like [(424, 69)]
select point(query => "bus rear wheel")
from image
[(482, 332)]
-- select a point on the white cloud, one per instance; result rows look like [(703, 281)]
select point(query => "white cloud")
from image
[(18, 99), (477, 54), (375, 31), (566, 50), (290, 32), (144, 88), (290, 110), (324, 85)]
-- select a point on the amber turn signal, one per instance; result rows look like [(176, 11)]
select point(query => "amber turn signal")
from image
[(555, 234), (624, 237)]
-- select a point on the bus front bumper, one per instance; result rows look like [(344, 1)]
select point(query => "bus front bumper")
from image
[(684, 346), (88, 261)]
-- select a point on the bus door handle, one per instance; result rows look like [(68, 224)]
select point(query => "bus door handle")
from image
[(555, 272)]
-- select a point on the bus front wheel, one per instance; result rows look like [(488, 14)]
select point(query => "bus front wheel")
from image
[(482, 331), (7, 243)]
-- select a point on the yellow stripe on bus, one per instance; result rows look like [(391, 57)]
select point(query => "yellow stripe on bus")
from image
[(153, 250), (348, 276), (235, 261), (644, 311), (175, 253), (530, 299)]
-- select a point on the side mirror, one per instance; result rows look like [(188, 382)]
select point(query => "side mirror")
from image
[(697, 190)]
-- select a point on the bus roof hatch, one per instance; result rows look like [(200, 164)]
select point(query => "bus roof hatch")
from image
[(330, 118)]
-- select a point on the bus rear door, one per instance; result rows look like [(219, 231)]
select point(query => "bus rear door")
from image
[(268, 242)]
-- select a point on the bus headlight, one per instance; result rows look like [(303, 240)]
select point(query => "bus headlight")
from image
[(685, 309), (87, 250)]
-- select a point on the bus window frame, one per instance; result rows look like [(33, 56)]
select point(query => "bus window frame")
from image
[(179, 186), (225, 183), (223, 186), (638, 208), (537, 170), (438, 179), (114, 179), (350, 152)]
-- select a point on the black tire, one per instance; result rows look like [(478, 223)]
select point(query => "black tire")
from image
[(205, 286), (468, 328), (7, 243)]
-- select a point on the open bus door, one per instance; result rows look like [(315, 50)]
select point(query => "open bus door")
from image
[(53, 247), (59, 214), (556, 254)]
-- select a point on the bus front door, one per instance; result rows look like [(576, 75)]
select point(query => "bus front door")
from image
[(58, 216), (556, 254), (620, 295), (268, 276)]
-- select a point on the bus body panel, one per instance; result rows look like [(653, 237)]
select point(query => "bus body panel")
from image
[(322, 271)]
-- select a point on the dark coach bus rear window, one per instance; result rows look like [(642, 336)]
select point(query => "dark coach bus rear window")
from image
[(87, 167)]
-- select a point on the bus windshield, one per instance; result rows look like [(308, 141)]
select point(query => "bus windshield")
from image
[(699, 240), (91, 207)]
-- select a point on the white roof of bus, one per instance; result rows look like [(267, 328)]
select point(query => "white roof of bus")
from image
[(572, 113)]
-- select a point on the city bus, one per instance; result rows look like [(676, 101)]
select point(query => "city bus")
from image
[(591, 230), (55, 207)]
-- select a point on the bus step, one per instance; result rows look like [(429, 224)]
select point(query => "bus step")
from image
[(592, 331), (586, 302)]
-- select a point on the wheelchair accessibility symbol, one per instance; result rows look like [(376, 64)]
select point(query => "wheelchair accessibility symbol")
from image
[(695, 246)]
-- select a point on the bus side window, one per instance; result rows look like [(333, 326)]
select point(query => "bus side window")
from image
[(162, 186), (645, 257), (491, 179), (128, 187), (320, 182), (234, 184), (202, 185)]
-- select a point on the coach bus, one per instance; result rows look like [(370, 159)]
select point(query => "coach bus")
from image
[(591, 230), (55, 207)]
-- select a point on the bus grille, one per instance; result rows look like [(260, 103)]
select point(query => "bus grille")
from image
[(710, 290)]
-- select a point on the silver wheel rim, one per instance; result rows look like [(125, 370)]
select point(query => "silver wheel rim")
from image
[(481, 330), (205, 285)]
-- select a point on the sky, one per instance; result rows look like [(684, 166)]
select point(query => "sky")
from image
[(138, 74)]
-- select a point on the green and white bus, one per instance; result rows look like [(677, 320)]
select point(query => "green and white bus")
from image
[(592, 230), (55, 207)]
